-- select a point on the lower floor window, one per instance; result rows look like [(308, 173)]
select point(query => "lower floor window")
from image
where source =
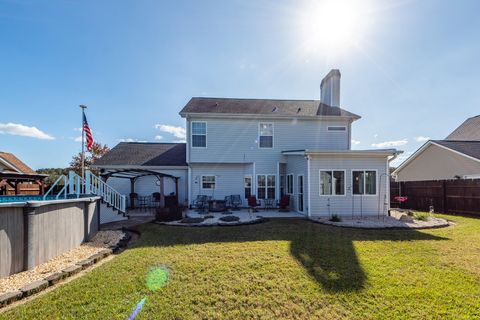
[(247, 181), (364, 182), (332, 182), (208, 182), (266, 186), (289, 183)]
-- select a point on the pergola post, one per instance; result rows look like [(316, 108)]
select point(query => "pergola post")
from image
[(132, 191), (162, 190)]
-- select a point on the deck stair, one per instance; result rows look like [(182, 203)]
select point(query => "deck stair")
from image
[(75, 187)]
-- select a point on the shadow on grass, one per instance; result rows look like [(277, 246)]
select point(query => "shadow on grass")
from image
[(325, 252)]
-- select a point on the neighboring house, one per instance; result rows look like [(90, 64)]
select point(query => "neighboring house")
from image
[(269, 148), (456, 157), (16, 178)]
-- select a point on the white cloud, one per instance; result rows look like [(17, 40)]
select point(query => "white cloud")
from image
[(178, 132), (179, 141), (77, 129), (158, 138), (355, 142), (375, 135), (21, 130), (401, 158), (422, 138), (389, 144), (78, 139), (129, 140)]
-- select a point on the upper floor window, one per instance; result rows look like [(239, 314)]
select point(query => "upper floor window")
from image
[(337, 128), (364, 182), (199, 134), (265, 136)]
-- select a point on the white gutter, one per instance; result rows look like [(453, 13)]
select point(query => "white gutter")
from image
[(263, 116)]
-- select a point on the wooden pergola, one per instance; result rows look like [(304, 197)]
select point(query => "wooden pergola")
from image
[(14, 180), (135, 174)]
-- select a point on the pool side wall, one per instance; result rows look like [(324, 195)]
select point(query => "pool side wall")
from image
[(34, 232)]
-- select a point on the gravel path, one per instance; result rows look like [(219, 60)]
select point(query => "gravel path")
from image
[(102, 240), (384, 223)]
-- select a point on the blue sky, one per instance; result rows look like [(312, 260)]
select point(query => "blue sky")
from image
[(410, 71)]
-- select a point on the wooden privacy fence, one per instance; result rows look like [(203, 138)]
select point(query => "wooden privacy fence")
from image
[(446, 196)]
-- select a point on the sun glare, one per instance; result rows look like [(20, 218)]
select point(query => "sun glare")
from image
[(332, 25)]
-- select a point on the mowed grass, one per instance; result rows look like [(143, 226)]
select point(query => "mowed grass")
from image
[(291, 269)]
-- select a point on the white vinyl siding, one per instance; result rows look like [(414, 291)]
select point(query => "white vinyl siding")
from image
[(350, 203), (265, 135), (199, 134), (236, 140)]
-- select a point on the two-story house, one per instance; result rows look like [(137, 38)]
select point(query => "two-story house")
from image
[(269, 148)]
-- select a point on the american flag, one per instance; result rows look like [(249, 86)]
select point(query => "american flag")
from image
[(88, 133)]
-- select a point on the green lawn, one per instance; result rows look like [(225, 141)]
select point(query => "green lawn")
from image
[(281, 269)]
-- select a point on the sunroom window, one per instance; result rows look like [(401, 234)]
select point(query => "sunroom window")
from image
[(364, 182), (332, 182)]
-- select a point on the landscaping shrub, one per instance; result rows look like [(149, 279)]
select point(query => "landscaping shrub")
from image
[(335, 218), (192, 220), (229, 218)]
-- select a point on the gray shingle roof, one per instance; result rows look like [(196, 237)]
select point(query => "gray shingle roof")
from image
[(264, 107), (145, 154), (470, 148), (467, 131)]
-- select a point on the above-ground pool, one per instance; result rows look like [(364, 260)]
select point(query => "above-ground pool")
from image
[(24, 198)]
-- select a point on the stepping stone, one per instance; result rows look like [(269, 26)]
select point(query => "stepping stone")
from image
[(34, 287), (96, 257), (9, 297), (106, 252)]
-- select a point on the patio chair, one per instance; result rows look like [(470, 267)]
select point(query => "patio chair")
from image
[(201, 203), (236, 201), (156, 199), (228, 201), (253, 203)]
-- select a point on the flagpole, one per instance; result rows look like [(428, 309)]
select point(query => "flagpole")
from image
[(83, 107)]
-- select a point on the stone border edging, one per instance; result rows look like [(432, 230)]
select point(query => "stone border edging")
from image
[(40, 285), (259, 219), (333, 224)]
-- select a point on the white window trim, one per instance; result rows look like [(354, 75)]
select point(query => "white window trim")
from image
[(344, 183), (293, 184), (273, 135), (333, 130), (208, 175), (303, 192), (266, 184), (376, 183), (191, 134)]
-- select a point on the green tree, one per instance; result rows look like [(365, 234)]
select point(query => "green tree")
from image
[(98, 150), (53, 174)]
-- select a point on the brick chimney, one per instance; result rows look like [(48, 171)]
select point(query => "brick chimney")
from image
[(330, 89)]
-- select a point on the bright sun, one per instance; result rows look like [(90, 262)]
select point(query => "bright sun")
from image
[(332, 25)]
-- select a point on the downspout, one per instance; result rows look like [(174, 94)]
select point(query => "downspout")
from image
[(395, 155), (308, 185)]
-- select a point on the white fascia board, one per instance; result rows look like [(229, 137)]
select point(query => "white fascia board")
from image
[(352, 153), (8, 164), (139, 167), (265, 116)]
